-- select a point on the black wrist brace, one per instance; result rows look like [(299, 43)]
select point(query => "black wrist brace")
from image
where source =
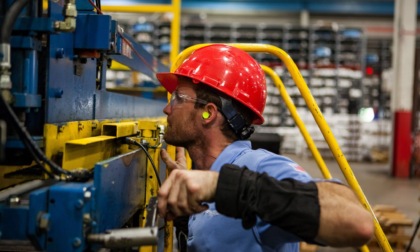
[(289, 204)]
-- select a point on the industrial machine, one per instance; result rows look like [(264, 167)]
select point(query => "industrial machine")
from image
[(78, 162)]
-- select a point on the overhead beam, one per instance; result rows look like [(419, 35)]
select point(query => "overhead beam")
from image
[(349, 7)]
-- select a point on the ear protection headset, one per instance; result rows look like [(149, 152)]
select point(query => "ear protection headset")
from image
[(205, 115)]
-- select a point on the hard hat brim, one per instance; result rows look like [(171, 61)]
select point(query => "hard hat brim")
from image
[(168, 80)]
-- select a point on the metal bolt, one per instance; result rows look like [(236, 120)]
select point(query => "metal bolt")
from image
[(58, 93), (87, 218), (87, 194), (14, 200), (77, 242), (61, 129), (79, 204), (43, 221), (59, 53)]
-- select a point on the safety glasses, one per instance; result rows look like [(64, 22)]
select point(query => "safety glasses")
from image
[(178, 98)]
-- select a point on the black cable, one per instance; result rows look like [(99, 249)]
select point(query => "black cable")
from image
[(77, 175), (28, 141), (414, 235), (98, 10), (38, 155), (9, 19), (38, 161), (131, 141)]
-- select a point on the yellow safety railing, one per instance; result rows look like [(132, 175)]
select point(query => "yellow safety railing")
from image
[(299, 123), (319, 119), (174, 8)]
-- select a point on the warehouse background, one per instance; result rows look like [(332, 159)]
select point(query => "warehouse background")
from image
[(343, 48)]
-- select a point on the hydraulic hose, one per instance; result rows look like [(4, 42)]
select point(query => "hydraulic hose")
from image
[(9, 20), (5, 33), (76, 175), (27, 139)]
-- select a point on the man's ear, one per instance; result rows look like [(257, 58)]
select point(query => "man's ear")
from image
[(209, 110)]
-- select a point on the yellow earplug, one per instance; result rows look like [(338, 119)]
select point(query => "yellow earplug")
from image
[(205, 115)]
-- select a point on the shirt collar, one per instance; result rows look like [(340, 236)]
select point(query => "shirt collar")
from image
[(230, 153)]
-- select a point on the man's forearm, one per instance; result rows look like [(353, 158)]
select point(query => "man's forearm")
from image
[(288, 204)]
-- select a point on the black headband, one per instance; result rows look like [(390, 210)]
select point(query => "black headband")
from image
[(236, 121)]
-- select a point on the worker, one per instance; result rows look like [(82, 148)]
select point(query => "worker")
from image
[(218, 94)]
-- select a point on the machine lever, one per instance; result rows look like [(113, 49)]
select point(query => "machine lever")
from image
[(131, 237), (126, 238)]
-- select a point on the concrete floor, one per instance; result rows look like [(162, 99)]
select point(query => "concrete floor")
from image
[(379, 188)]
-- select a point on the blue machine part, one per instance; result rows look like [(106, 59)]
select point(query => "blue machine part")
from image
[(34, 24), (25, 88), (59, 77), (121, 182), (66, 206), (59, 217), (73, 83), (95, 33), (75, 96)]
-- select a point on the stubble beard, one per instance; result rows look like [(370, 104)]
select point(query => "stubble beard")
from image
[(182, 134), (176, 138)]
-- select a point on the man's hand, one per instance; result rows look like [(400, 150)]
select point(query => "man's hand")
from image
[(180, 161), (183, 192)]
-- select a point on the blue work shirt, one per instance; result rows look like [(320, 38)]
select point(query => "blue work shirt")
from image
[(212, 231)]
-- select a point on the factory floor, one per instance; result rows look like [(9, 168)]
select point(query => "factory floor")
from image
[(379, 187)]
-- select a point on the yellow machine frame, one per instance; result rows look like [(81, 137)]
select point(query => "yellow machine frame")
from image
[(318, 116)]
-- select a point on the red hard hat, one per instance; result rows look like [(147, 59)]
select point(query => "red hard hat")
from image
[(228, 69)]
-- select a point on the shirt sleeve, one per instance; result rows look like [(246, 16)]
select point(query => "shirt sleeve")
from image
[(227, 190), (289, 204)]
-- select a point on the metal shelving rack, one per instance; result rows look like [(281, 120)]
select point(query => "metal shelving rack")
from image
[(330, 60), (379, 59), (320, 52)]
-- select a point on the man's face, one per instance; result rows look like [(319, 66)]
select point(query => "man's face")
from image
[(182, 116)]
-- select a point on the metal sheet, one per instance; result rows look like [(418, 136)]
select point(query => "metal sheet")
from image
[(121, 181)]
